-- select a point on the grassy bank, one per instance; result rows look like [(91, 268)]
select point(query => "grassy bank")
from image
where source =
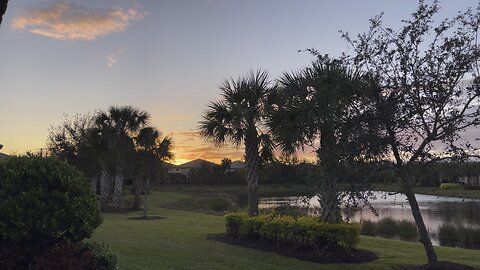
[(179, 242), (436, 191)]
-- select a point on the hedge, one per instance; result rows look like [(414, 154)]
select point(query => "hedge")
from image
[(302, 232)]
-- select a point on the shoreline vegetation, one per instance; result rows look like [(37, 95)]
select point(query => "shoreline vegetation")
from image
[(179, 241)]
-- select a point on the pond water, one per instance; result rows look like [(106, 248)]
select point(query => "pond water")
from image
[(436, 210)]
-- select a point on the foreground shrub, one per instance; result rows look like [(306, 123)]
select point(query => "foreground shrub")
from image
[(44, 202), (302, 232), (83, 256)]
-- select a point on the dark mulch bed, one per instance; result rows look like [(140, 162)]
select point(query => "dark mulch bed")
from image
[(332, 256), (441, 266), (146, 218)]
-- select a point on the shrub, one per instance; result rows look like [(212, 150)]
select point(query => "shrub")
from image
[(234, 222), (299, 232), (450, 186), (407, 230), (44, 201), (448, 236), (387, 228), (368, 228), (220, 203), (84, 256), (101, 257), (469, 237)]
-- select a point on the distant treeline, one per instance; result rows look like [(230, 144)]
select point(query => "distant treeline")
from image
[(294, 171)]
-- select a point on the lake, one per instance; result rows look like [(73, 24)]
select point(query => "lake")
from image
[(436, 210)]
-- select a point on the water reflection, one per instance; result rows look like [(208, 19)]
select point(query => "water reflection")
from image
[(436, 210)]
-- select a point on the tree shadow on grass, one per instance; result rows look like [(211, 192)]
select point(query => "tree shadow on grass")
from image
[(146, 218), (337, 255)]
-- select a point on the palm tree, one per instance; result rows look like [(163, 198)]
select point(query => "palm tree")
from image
[(238, 117), (3, 9), (152, 150), (325, 106), (117, 126)]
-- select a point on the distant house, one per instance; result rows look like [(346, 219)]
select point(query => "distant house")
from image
[(181, 173), (237, 165), (470, 180), (3, 156)]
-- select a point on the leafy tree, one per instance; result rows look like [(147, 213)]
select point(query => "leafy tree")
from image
[(3, 9), (327, 106), (117, 127), (74, 142), (152, 149), (428, 76), (238, 117)]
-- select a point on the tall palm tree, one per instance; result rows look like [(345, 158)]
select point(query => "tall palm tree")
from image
[(152, 150), (238, 117), (117, 126)]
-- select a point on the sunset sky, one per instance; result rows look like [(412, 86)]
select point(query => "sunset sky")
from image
[(60, 58)]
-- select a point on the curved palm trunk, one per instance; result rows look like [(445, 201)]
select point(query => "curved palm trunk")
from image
[(252, 159)]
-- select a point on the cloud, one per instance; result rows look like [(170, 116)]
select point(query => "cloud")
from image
[(111, 60), (66, 21)]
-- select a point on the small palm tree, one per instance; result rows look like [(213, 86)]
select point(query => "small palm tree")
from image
[(152, 149), (117, 127), (238, 117)]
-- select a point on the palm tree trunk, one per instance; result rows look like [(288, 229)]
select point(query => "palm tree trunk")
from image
[(422, 229), (117, 188), (147, 184), (105, 187), (253, 166), (328, 178)]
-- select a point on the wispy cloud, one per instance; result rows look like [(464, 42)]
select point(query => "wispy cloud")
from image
[(111, 60), (67, 21)]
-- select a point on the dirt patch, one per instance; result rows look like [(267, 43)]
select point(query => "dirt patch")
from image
[(146, 218), (306, 254), (442, 265)]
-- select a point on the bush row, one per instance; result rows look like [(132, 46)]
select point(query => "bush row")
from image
[(301, 232), (389, 228)]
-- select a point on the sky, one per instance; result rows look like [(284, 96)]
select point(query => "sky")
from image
[(60, 58)]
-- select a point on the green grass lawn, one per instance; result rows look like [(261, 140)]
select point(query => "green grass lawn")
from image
[(179, 242)]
